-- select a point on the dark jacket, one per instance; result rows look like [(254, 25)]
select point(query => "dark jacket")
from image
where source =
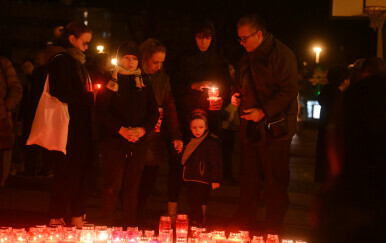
[(66, 84), (330, 100), (196, 66), (128, 107), (11, 90), (272, 68), (204, 165), (170, 126)]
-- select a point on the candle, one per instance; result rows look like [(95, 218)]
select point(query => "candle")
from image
[(213, 97), (205, 238), (182, 226), (166, 235), (101, 234), (213, 92), (218, 236)]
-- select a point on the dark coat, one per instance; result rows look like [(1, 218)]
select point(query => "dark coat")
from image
[(170, 126), (196, 66), (65, 84), (330, 99), (128, 107), (204, 165), (272, 68)]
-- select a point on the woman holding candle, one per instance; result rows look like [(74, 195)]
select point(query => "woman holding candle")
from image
[(70, 83), (198, 68), (202, 161), (167, 133), (127, 110)]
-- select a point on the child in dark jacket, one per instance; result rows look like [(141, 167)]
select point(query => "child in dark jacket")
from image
[(202, 161)]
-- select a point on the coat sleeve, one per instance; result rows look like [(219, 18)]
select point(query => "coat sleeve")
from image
[(14, 87), (152, 113), (170, 115), (285, 72), (107, 119), (64, 80), (215, 161)]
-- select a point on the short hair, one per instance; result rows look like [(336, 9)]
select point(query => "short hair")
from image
[(373, 66), (204, 27), (198, 114), (148, 48), (337, 74), (254, 21)]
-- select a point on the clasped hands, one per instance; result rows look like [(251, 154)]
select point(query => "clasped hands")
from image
[(132, 134)]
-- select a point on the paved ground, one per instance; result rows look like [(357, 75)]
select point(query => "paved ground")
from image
[(24, 202)]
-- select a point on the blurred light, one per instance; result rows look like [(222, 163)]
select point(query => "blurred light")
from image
[(317, 50), (114, 61), (100, 49), (85, 14), (313, 109), (85, 22)]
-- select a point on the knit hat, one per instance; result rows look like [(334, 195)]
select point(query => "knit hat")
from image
[(128, 48)]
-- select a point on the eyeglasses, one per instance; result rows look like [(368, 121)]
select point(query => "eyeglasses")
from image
[(86, 43), (245, 39)]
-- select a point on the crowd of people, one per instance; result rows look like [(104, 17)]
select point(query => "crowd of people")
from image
[(138, 116)]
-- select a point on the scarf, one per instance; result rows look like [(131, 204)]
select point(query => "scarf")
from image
[(191, 146), (113, 82), (80, 68)]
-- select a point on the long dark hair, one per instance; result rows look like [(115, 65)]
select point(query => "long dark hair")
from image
[(74, 28)]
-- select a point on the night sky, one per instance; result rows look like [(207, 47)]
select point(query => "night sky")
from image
[(298, 23)]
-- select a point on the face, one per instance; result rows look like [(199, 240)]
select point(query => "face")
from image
[(154, 63), (129, 62), (250, 39), (198, 127), (82, 42), (28, 67), (203, 42)]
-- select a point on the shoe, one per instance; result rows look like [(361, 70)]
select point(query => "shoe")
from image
[(57, 222)]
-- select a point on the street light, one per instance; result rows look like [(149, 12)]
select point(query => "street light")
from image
[(317, 50), (100, 49)]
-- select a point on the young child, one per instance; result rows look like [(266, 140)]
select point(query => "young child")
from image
[(202, 161)]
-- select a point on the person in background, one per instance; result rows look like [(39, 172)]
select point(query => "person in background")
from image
[(330, 100), (128, 112), (202, 161), (230, 125), (167, 135), (268, 89), (70, 83), (350, 207), (11, 92)]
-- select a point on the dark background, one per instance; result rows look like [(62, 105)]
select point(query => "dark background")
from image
[(26, 25)]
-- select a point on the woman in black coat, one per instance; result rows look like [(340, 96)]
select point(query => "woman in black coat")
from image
[(128, 112), (70, 83)]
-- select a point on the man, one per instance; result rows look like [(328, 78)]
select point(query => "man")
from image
[(267, 89)]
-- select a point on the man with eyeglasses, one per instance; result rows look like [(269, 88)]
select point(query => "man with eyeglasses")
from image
[(266, 97)]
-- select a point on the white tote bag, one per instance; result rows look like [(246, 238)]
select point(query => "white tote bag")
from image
[(50, 125)]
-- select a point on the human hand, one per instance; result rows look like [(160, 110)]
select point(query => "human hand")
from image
[(116, 70), (201, 85), (236, 100), (178, 145), (215, 103), (254, 114), (135, 133), (215, 185), (125, 132)]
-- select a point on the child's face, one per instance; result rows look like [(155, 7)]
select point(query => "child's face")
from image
[(198, 127), (129, 62)]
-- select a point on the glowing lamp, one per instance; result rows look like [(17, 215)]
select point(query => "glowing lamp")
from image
[(100, 49)]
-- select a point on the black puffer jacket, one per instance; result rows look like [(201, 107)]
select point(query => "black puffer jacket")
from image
[(204, 165)]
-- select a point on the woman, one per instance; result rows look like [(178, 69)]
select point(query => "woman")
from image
[(167, 132), (70, 83), (199, 67), (11, 92), (127, 110)]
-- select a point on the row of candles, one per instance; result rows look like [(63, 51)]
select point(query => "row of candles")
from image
[(102, 234)]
